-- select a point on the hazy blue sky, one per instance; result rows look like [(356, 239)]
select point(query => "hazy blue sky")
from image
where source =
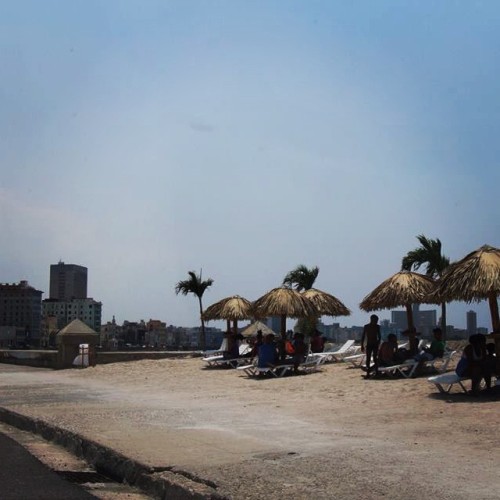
[(143, 139)]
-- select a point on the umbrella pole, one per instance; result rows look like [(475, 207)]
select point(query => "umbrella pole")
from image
[(281, 347), (495, 320), (495, 323), (409, 316), (235, 326)]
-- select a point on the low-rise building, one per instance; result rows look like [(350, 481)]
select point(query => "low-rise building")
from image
[(87, 310)]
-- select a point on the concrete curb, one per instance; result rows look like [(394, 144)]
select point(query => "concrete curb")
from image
[(166, 483)]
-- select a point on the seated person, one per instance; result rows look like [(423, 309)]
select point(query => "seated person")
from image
[(489, 365), (268, 354), (317, 342), (387, 351), (300, 351), (471, 365), (258, 341), (412, 335), (436, 349), (230, 345), (233, 345)]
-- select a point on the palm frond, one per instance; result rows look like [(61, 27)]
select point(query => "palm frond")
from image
[(301, 278), (428, 254), (194, 285)]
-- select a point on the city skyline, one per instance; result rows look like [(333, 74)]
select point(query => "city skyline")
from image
[(245, 138)]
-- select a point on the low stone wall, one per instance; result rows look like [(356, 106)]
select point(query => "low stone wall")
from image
[(104, 357), (48, 359), (43, 359)]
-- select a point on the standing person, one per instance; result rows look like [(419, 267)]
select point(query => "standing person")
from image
[(371, 333)]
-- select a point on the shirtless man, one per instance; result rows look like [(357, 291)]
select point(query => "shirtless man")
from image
[(371, 333)]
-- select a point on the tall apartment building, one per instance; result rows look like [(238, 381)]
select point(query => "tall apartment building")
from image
[(424, 321), (67, 281), (68, 297), (20, 308), (471, 323)]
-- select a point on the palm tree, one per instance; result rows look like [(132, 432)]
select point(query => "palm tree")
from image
[(428, 254), (302, 278), (197, 287)]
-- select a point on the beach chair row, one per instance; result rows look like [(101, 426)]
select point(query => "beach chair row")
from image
[(409, 367), (219, 360), (311, 363)]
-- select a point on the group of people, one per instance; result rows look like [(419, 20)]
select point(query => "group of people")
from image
[(388, 353), (288, 348), (478, 362)]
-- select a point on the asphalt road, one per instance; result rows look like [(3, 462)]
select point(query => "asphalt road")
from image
[(23, 477)]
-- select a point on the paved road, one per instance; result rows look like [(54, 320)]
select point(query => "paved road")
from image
[(23, 477)]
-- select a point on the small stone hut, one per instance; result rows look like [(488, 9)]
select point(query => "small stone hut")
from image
[(69, 339)]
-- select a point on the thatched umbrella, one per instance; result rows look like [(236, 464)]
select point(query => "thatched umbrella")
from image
[(284, 302), (402, 289), (326, 304), (252, 329), (233, 309), (476, 277)]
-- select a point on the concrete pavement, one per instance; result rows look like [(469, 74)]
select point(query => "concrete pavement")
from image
[(23, 477)]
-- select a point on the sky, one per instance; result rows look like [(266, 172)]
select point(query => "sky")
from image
[(145, 139)]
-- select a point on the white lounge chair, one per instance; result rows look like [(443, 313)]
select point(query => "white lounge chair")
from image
[(406, 369), (446, 381), (312, 362), (338, 355), (356, 360), (253, 370), (441, 364), (219, 360)]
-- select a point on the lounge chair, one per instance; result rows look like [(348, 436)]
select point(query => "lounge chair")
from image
[(312, 362), (441, 364), (406, 369), (252, 370), (446, 381), (338, 355), (359, 360), (356, 360), (219, 360)]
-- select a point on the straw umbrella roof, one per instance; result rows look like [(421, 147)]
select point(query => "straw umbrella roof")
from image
[(283, 301), (233, 308), (473, 278), (401, 289), (252, 329), (325, 303)]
